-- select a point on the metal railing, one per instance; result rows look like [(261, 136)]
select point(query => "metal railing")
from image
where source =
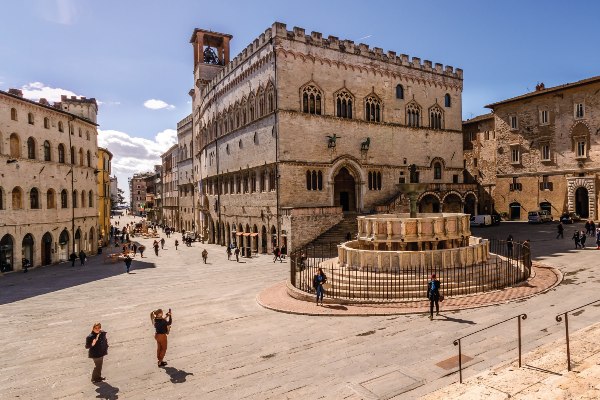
[(559, 318), (507, 267), (457, 342)]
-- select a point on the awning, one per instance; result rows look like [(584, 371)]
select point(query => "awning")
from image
[(247, 234), (254, 234), (239, 233)]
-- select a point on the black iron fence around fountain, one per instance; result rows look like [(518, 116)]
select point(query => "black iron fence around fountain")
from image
[(507, 266)]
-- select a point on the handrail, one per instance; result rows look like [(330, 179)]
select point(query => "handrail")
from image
[(457, 342), (559, 318)]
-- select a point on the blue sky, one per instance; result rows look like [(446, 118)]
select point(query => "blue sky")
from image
[(128, 53)]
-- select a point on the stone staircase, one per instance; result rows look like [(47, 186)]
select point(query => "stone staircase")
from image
[(543, 375), (338, 232)]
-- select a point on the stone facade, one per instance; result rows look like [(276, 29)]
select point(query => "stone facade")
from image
[(547, 151), (297, 120), (104, 194), (186, 182), (137, 192), (170, 192), (48, 186)]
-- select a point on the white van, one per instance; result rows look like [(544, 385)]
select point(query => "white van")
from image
[(481, 220)]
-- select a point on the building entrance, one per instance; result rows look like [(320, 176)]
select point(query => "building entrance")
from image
[(582, 202), (47, 249), (344, 191)]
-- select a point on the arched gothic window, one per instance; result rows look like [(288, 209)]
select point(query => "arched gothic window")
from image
[(61, 153), (15, 146), (60, 126), (31, 148), (74, 198), (17, 198), (13, 114), (89, 159), (83, 199), (46, 123), (447, 100), (34, 199), (413, 115), (47, 154), (314, 180), (73, 155), (399, 92), (437, 170), (343, 104), (435, 118), (81, 157), (30, 119), (50, 199), (374, 179), (311, 100), (63, 199), (372, 109)]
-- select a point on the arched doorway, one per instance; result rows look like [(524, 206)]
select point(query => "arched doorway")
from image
[(212, 232), (452, 203), (47, 249), (264, 240), (77, 240), (228, 234), (470, 204), (91, 237), (273, 237), (6, 254), (429, 204), (582, 202), (27, 246), (63, 243), (515, 211), (254, 237), (344, 190)]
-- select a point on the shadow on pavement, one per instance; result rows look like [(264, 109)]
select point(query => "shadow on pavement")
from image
[(177, 375), (338, 307), (459, 320), (19, 286), (106, 391)]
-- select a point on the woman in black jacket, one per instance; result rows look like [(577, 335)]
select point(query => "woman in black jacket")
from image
[(162, 327), (318, 280), (97, 343)]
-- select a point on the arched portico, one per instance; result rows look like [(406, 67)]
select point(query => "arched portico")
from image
[(346, 182)]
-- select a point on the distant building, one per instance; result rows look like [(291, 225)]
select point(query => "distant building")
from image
[(137, 193), (48, 190), (186, 182), (104, 195), (114, 191), (170, 193)]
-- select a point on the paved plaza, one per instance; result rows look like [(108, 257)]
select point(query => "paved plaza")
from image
[(224, 345)]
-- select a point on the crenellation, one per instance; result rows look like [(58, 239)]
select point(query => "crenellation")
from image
[(334, 42), (449, 70), (261, 38), (378, 51), (391, 55), (348, 46), (439, 68), (416, 62), (280, 29), (317, 38), (363, 48), (299, 34), (427, 65), (404, 59), (459, 73)]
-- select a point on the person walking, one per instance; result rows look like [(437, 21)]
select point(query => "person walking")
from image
[(176, 243), (155, 245), (510, 245), (162, 243), (97, 345), (561, 230), (228, 251), (127, 262), (82, 257), (433, 294), (283, 252), (204, 255), (526, 250), (134, 247), (575, 238), (318, 280), (73, 257), (162, 328), (141, 249), (587, 227), (582, 239), (237, 254)]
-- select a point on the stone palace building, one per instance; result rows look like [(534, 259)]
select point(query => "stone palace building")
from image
[(300, 130), (539, 150), (48, 183)]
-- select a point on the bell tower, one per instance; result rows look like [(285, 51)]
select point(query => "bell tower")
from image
[(211, 54)]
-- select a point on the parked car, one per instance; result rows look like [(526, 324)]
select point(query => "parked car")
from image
[(190, 235), (569, 218), (481, 220), (539, 216)]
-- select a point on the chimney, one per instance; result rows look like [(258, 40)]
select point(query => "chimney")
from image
[(540, 86), (44, 101)]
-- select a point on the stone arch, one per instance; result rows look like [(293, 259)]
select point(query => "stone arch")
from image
[(470, 201), (7, 256), (437, 159), (264, 240), (77, 240), (355, 198), (452, 202), (429, 202), (63, 245), (574, 197), (46, 248)]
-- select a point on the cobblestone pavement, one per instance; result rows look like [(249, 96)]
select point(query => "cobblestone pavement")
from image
[(224, 345)]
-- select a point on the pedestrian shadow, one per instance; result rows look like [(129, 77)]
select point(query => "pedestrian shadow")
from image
[(177, 375), (336, 307), (106, 391), (459, 320)]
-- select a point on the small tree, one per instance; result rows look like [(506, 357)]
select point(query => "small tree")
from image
[(120, 197)]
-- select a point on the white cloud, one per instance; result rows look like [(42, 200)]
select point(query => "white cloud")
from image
[(38, 90), (58, 11), (155, 104), (133, 154)]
